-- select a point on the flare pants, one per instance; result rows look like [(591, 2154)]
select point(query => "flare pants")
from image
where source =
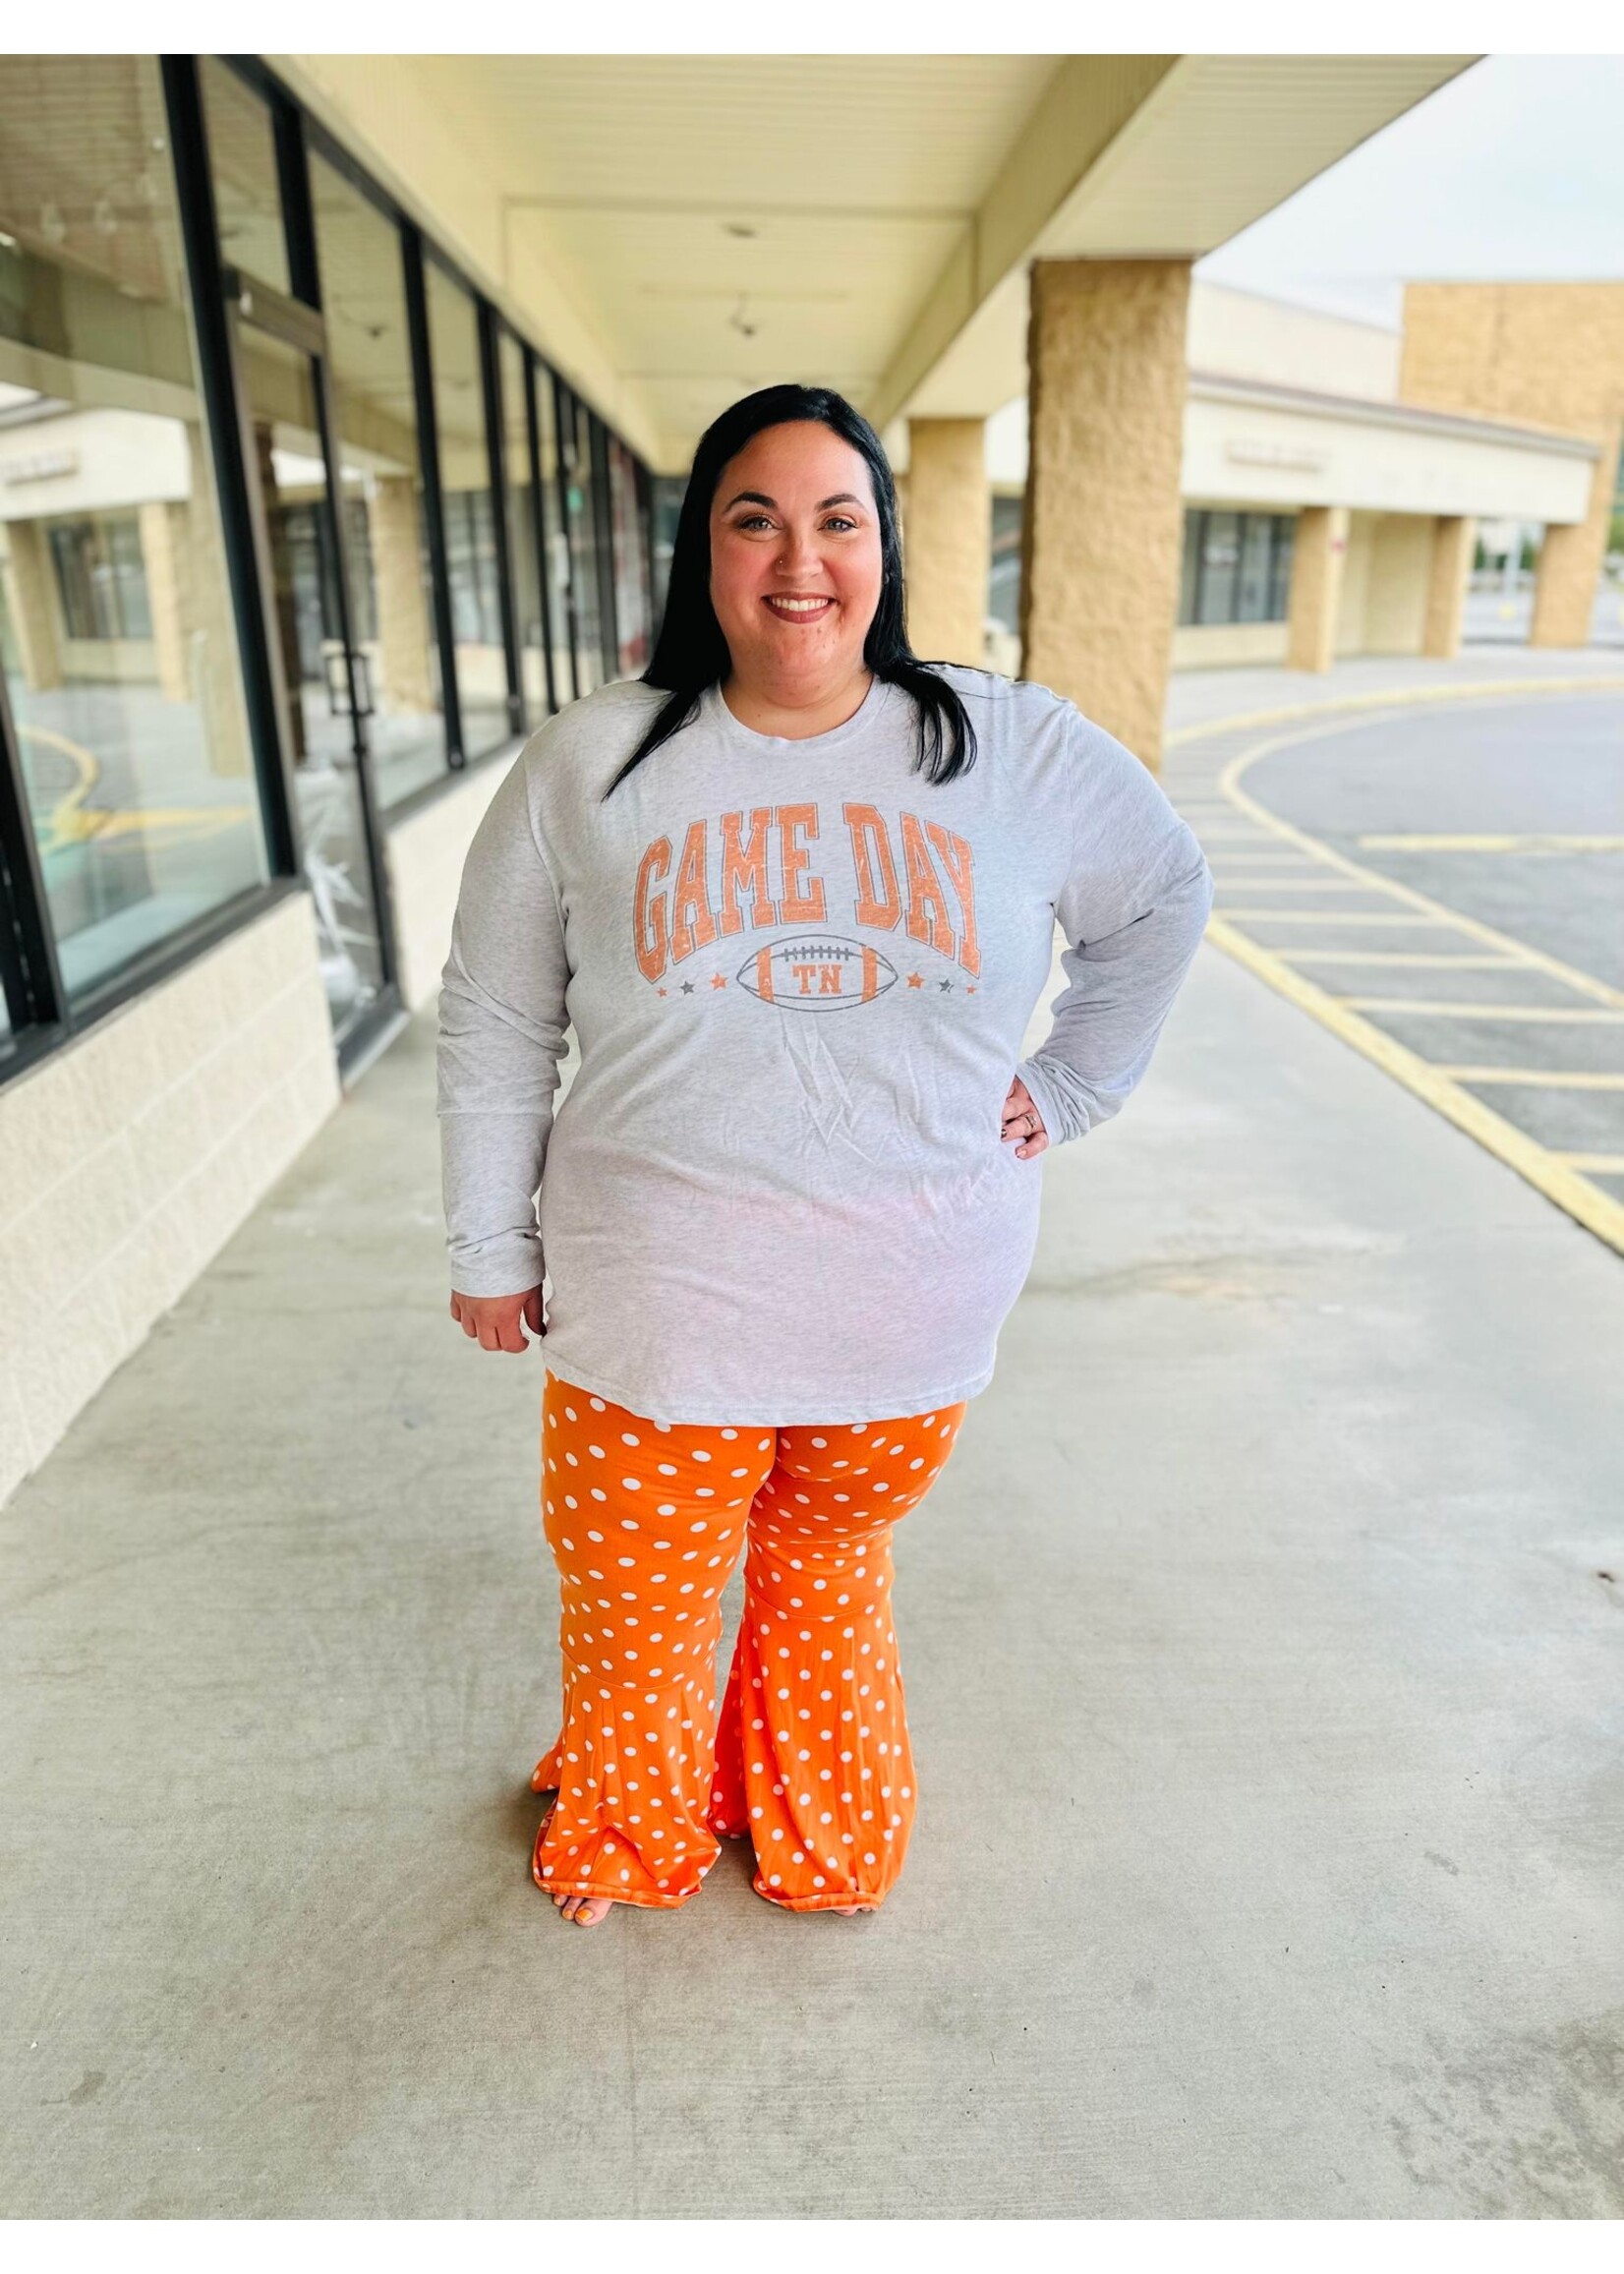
[(810, 1754)]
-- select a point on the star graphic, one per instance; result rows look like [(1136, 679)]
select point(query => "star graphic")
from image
[(718, 980), (945, 985), (664, 990), (688, 986), (970, 990), (914, 980)]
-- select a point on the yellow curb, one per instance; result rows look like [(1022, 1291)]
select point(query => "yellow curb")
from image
[(1577, 1197), (1548, 1170)]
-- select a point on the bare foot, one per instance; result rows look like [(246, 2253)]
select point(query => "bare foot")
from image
[(585, 1910)]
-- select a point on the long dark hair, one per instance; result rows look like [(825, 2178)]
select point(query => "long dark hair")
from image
[(691, 653)]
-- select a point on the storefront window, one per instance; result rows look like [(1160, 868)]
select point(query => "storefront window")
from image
[(1236, 567), (116, 630), (387, 555), (465, 490), (1251, 599), (1280, 568)]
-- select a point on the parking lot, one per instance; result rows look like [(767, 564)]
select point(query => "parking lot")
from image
[(1435, 872)]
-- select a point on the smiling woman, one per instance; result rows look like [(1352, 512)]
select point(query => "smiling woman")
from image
[(795, 889)]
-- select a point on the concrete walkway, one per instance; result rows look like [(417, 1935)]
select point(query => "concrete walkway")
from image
[(1264, 1643)]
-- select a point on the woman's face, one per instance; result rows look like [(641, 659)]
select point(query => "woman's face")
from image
[(793, 519)]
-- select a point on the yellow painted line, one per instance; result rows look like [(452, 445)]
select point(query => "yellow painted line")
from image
[(1559, 1180), (1296, 884), (1521, 845), (1399, 955), (1532, 1077), (1529, 1011), (1441, 691), (1604, 1164), (93, 824), (1533, 957), (1327, 917), (1594, 1209)]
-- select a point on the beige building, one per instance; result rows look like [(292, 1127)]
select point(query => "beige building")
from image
[(1333, 472)]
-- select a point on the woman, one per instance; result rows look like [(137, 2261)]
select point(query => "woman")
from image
[(796, 891)]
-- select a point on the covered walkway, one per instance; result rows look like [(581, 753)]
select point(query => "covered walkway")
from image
[(1263, 1673)]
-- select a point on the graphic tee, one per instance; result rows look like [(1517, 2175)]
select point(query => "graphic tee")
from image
[(800, 975)]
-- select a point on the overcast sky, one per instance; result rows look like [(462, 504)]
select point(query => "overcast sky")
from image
[(1515, 169)]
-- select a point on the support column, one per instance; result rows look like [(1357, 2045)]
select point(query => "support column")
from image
[(1453, 543), (1318, 552), (1103, 527), (33, 606), (1569, 567), (948, 538)]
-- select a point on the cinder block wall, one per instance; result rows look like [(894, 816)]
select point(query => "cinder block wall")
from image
[(425, 854), (128, 1160)]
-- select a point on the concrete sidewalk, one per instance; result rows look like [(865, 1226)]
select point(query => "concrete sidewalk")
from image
[(1262, 1670)]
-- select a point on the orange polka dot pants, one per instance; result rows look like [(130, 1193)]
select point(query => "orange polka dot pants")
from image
[(809, 1755)]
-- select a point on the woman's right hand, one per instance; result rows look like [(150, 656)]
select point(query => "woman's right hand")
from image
[(498, 1322)]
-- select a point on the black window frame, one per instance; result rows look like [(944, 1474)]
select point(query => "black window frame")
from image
[(40, 1017)]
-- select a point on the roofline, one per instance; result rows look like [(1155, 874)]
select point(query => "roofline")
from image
[(1215, 387)]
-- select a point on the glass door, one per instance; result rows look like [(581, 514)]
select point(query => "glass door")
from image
[(322, 665)]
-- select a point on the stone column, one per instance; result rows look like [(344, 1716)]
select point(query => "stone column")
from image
[(1569, 568), (1318, 550), (950, 535), (159, 567), (403, 632), (35, 613), (1103, 527), (1453, 537)]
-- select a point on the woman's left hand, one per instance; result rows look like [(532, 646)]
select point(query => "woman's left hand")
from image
[(1022, 1120)]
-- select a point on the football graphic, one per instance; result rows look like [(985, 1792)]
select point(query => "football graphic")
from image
[(817, 972)]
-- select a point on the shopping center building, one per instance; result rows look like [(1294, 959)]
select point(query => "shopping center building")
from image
[(345, 404), (1333, 480)]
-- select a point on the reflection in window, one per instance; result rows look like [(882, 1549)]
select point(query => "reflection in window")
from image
[(521, 527), (387, 553), (280, 388), (574, 442), (631, 584), (465, 488), (556, 544), (242, 164), (116, 631), (100, 577)]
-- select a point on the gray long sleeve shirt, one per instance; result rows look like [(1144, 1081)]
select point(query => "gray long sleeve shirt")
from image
[(799, 976)]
